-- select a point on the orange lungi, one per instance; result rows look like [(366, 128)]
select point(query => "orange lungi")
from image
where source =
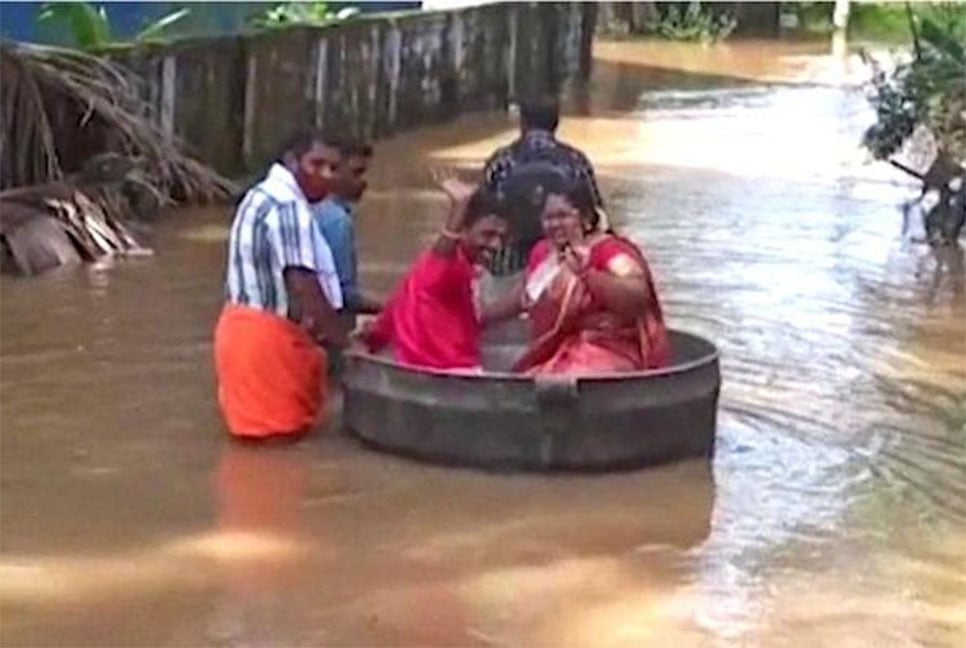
[(271, 373)]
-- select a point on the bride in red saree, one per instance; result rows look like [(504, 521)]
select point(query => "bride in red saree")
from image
[(590, 296)]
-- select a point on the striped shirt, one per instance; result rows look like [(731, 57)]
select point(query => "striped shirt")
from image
[(273, 230)]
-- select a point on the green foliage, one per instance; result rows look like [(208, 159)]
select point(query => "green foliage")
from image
[(813, 17), (889, 22), (929, 90), (301, 13), (879, 22), (695, 23), (91, 29), (87, 24)]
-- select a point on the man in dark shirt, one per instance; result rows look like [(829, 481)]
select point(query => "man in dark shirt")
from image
[(536, 151)]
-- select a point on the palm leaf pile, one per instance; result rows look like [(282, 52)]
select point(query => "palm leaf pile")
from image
[(79, 153)]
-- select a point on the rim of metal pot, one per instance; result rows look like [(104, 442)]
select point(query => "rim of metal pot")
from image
[(682, 367)]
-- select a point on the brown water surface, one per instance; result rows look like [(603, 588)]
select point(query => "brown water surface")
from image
[(833, 513)]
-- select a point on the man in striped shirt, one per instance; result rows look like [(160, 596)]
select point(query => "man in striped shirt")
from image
[(282, 294)]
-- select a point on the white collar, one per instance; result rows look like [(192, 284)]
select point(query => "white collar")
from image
[(281, 181)]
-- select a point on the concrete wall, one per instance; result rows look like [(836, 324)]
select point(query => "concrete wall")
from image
[(234, 100)]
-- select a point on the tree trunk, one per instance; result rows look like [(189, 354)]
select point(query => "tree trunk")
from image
[(840, 19), (606, 16), (642, 14), (840, 16)]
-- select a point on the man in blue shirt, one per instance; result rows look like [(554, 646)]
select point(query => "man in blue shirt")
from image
[(335, 217)]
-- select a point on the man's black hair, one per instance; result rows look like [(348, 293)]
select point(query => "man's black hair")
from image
[(355, 148), (482, 203), (540, 112), (302, 141)]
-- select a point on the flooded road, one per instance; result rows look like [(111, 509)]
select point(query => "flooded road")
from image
[(834, 512)]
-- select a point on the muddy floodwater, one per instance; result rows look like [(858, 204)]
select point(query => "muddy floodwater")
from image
[(834, 513)]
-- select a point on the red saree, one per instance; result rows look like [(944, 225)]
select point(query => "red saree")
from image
[(572, 332)]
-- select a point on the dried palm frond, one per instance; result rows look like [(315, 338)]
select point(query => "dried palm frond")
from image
[(76, 140), (27, 152), (39, 223), (60, 106)]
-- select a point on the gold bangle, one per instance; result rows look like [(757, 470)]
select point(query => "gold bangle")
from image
[(450, 234)]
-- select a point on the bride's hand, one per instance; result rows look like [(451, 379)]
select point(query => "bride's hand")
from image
[(576, 258)]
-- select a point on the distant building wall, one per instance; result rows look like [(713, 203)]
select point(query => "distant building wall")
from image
[(233, 100)]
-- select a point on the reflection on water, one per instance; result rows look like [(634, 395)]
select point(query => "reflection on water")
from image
[(834, 513)]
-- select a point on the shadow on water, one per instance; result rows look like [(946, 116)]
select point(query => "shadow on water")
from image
[(833, 513)]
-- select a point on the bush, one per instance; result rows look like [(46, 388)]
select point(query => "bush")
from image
[(695, 23), (928, 93), (301, 13)]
